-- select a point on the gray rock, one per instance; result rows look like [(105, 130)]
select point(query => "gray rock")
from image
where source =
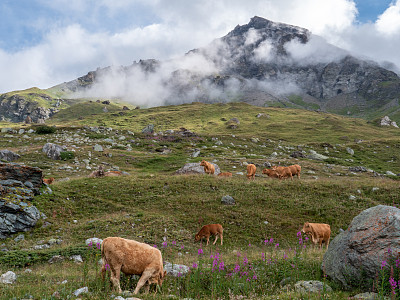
[(196, 153), (316, 156), (56, 259), (175, 270), (149, 129), (312, 286), (6, 130), (297, 154), (227, 200), (8, 278), (352, 197), (195, 168), (53, 151), (76, 258), (350, 151), (390, 173), (366, 296), (19, 238), (94, 241), (363, 246), (358, 169), (98, 148), (16, 218), (374, 189), (81, 291), (8, 155), (385, 121)]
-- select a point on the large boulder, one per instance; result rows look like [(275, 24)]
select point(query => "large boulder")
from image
[(53, 151), (356, 255), (195, 168), (16, 217), (8, 155)]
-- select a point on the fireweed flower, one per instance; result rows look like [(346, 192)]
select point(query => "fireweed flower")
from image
[(182, 246), (263, 256), (107, 266), (383, 264), (237, 269), (90, 245), (393, 285), (255, 277), (164, 244), (245, 260), (221, 266), (98, 245), (299, 234), (174, 243), (265, 242), (155, 246), (194, 265), (200, 252), (276, 245)]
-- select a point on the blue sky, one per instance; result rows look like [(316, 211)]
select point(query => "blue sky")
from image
[(46, 42)]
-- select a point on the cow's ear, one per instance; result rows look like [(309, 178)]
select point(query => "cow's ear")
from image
[(165, 274)]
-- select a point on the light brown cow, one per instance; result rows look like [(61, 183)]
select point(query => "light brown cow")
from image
[(319, 232), (225, 174), (271, 173), (112, 173), (48, 181), (211, 229), (132, 258), (208, 167), (283, 172), (295, 170), (251, 171)]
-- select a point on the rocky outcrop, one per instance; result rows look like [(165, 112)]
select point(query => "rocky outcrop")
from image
[(385, 121), (8, 155), (195, 168), (356, 255), (18, 185), (29, 176), (17, 108)]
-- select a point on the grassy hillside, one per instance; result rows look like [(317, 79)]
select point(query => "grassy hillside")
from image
[(154, 205)]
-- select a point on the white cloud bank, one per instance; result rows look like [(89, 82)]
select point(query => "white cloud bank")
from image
[(70, 51)]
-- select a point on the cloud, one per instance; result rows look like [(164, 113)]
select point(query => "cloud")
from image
[(91, 34)]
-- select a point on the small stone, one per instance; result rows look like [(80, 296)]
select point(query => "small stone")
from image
[(227, 200), (8, 278), (98, 148), (19, 238), (81, 291), (352, 197)]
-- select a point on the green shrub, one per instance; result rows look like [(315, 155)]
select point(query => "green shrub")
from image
[(65, 155), (44, 129)]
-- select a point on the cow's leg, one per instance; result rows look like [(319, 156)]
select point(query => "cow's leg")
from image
[(216, 237), (147, 287), (115, 276), (220, 235), (143, 279), (208, 240)]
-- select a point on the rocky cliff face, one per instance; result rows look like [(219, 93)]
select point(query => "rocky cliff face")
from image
[(16, 108)]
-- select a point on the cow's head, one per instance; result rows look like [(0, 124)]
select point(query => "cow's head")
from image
[(306, 228), (274, 168), (203, 163), (197, 237)]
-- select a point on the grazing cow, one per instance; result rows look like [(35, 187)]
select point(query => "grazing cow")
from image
[(295, 170), (48, 181), (251, 171), (271, 173), (132, 258), (208, 167), (210, 229), (283, 172), (225, 174), (319, 233)]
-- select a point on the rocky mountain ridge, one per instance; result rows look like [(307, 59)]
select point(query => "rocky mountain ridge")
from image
[(263, 63)]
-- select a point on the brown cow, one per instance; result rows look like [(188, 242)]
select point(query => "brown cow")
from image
[(208, 230), (208, 167), (113, 173), (97, 173), (295, 170), (225, 174), (251, 171), (132, 258), (48, 181), (271, 173), (283, 172), (319, 233)]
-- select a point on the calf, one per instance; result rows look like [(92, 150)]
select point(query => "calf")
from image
[(283, 172), (320, 233), (251, 171), (48, 181), (225, 174), (271, 173), (208, 230), (208, 167), (132, 258)]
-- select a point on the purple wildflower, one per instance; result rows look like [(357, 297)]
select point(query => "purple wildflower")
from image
[(200, 252), (237, 269), (194, 265), (245, 260), (263, 256), (221, 266), (393, 285), (155, 246), (174, 243), (164, 244), (276, 245), (383, 264)]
